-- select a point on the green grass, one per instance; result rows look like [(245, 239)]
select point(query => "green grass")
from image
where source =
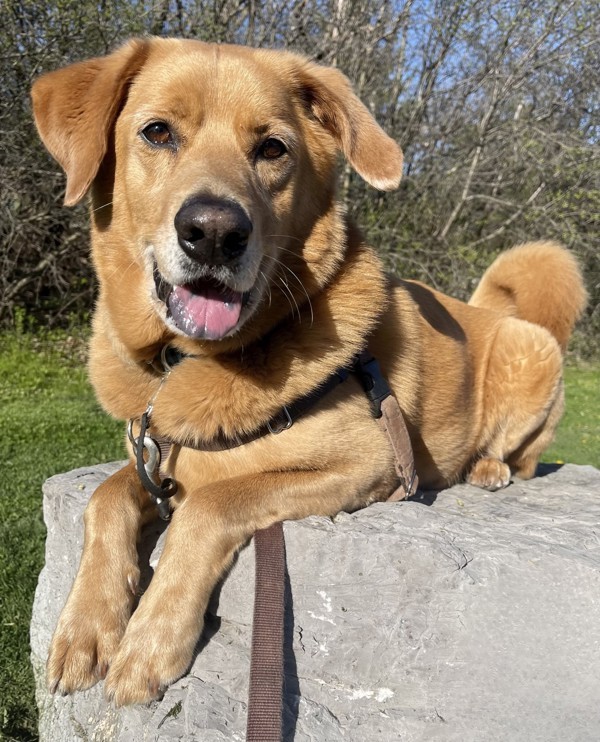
[(51, 423), (578, 436)]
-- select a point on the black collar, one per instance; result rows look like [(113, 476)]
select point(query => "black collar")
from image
[(150, 450), (364, 365), (170, 356)]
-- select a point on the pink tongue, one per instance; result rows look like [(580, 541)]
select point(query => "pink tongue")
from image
[(204, 311)]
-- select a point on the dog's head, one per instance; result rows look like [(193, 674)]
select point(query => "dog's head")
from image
[(212, 173)]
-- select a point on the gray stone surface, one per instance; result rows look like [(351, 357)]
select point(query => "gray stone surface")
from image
[(468, 616)]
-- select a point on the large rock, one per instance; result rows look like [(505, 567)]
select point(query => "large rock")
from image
[(468, 616)]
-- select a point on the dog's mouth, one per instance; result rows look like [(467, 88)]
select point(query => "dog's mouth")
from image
[(204, 309)]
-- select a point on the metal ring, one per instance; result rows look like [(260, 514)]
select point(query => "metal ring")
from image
[(152, 465), (132, 439), (285, 426)]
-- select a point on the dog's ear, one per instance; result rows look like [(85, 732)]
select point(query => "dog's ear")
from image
[(371, 152), (75, 108)]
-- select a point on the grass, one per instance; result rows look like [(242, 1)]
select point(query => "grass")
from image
[(578, 437), (50, 423)]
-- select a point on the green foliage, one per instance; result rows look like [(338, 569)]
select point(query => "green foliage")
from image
[(494, 104), (578, 436), (50, 423)]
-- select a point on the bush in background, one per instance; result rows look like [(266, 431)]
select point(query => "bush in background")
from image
[(495, 103)]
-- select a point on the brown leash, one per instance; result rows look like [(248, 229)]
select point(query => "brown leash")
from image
[(265, 694)]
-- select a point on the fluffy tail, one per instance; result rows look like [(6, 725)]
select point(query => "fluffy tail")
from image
[(539, 282)]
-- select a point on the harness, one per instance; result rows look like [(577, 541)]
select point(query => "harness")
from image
[(151, 450), (264, 720)]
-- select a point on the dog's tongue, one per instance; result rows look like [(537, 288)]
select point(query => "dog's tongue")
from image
[(205, 310)]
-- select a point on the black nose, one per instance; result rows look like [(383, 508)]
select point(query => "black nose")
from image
[(212, 230)]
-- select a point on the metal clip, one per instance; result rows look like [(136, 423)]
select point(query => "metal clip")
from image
[(152, 462), (151, 468), (285, 424), (170, 357), (132, 439)]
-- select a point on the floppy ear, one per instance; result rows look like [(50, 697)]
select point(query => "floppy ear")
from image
[(75, 107), (374, 155)]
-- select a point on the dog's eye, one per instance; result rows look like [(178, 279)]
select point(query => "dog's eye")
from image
[(159, 134), (271, 149)]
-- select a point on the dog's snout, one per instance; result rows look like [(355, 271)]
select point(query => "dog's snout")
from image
[(214, 231)]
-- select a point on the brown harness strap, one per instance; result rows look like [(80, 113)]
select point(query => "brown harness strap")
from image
[(265, 693), (392, 422), (387, 412), (384, 407)]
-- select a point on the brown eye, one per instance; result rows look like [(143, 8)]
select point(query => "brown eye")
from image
[(159, 134), (271, 149)]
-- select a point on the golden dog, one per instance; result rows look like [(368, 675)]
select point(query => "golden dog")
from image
[(216, 230)]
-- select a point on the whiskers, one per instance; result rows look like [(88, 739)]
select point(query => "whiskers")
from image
[(121, 270), (282, 275), (262, 278), (104, 206)]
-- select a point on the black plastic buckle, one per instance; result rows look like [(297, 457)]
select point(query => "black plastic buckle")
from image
[(373, 381)]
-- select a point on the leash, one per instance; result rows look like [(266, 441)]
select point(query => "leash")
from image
[(265, 691)]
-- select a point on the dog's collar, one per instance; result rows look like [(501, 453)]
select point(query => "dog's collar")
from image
[(151, 450), (364, 365), (169, 357)]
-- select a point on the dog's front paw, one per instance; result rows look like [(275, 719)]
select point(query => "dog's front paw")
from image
[(156, 651), (489, 474), (88, 634)]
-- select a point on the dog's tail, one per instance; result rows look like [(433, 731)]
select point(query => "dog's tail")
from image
[(539, 282)]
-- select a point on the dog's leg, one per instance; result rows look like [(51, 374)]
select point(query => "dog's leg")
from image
[(523, 403), (206, 531), (523, 462), (94, 618)]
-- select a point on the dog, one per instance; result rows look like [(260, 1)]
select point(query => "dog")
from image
[(216, 233)]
